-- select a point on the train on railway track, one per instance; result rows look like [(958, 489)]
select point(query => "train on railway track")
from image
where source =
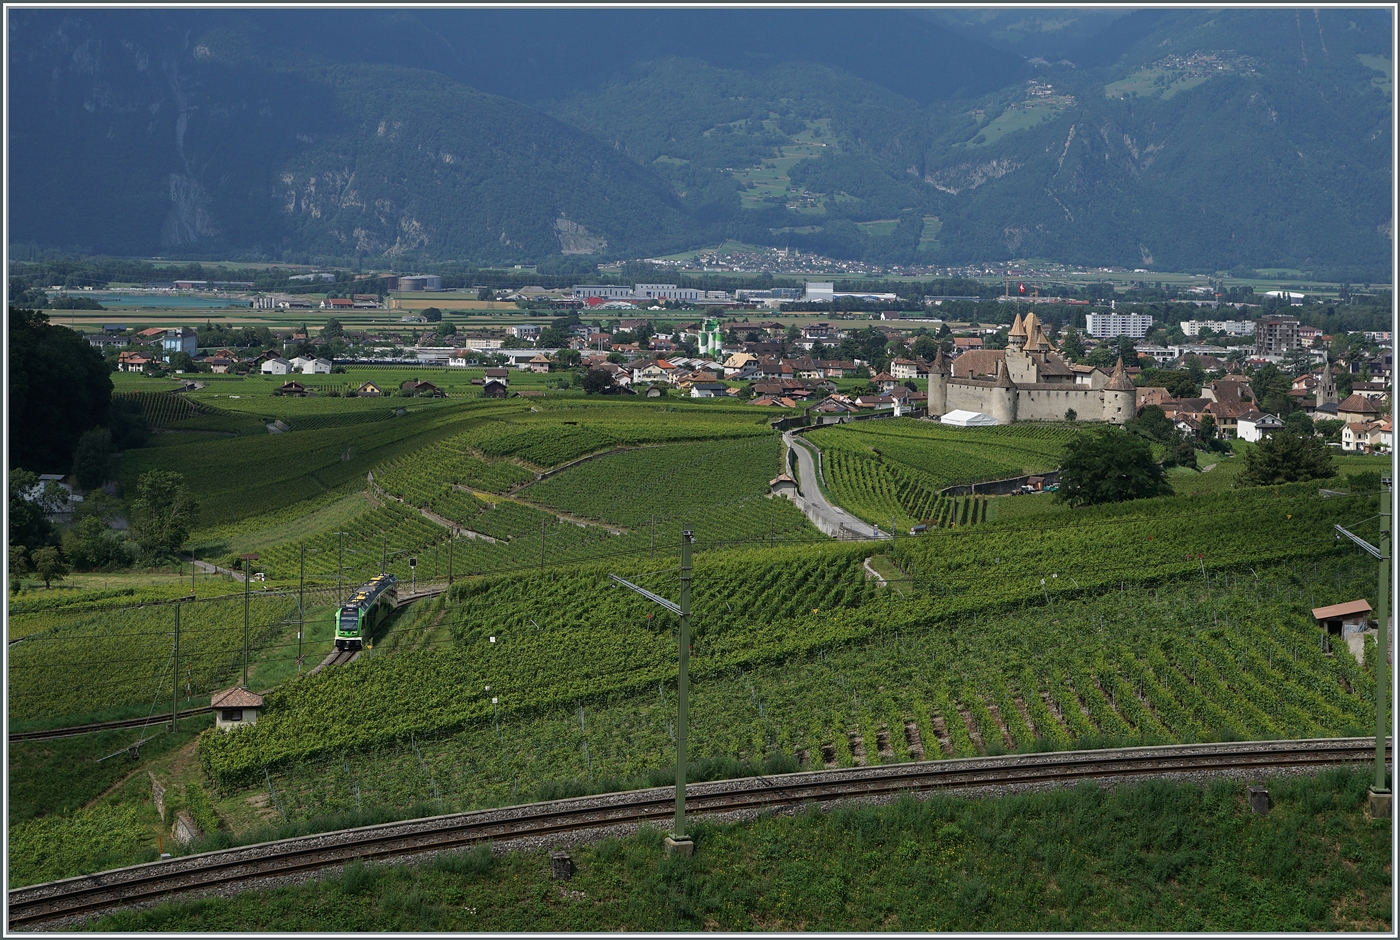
[(358, 616)]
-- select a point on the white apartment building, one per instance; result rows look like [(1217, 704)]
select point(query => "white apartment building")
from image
[(1105, 325), (1229, 327)]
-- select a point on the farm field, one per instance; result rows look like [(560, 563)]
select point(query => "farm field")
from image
[(1017, 624), (565, 640)]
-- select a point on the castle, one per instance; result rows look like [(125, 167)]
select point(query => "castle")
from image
[(1028, 381)]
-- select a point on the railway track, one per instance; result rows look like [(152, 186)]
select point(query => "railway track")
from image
[(563, 820), (336, 658)]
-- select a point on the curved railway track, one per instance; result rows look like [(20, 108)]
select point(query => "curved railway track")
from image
[(566, 820)]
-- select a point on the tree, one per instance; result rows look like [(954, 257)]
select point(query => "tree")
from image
[(1152, 423), (597, 381), (181, 361), (59, 387), (1298, 423), (485, 293), (92, 461), (19, 564), (1108, 465), (1286, 458), (49, 565), (30, 505), (1072, 345), (92, 544), (1208, 428), (162, 513), (332, 328), (432, 315)]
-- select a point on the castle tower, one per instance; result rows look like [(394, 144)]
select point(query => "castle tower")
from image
[(1326, 390), (1004, 396), (1119, 396), (1016, 336), (938, 386)]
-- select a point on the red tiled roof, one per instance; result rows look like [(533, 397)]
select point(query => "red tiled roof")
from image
[(236, 697)]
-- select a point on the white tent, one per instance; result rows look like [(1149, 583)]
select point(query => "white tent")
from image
[(968, 419)]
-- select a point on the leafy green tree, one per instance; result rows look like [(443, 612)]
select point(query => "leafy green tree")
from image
[(181, 361), (49, 565), (1108, 465), (59, 387), (1299, 423), (1286, 458), (1152, 423), (92, 461), (1329, 429), (1072, 345), (19, 565), (91, 544), (162, 513), (432, 315), (332, 328), (597, 381), (485, 293), (29, 507)]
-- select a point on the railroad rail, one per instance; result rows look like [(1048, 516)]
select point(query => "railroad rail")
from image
[(154, 721), (336, 658), (568, 820)]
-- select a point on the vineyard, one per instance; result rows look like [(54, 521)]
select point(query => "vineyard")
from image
[(1154, 594), (105, 656), (883, 470), (1174, 664)]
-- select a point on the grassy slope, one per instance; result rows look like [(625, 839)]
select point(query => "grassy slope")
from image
[(1146, 857)]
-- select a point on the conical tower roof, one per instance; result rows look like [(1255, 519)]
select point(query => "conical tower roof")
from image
[(1120, 382), (940, 364), (1018, 328), (1003, 377)]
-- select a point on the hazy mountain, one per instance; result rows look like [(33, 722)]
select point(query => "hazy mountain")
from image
[(1188, 139)]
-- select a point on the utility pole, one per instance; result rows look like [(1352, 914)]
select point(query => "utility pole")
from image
[(677, 840), (1379, 795), (384, 558), (175, 679), (653, 535), (301, 606), (248, 559), (541, 548), (339, 569), (451, 541)]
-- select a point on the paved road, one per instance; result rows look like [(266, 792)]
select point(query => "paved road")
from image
[(833, 520)]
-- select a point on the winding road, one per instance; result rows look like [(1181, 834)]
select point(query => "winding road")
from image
[(833, 520)]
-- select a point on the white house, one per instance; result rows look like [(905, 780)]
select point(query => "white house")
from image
[(276, 366), (317, 367), (1254, 426), (300, 363), (708, 390)]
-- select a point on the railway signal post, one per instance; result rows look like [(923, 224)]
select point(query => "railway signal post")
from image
[(677, 841)]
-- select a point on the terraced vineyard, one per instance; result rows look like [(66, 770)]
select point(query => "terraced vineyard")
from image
[(964, 639), (894, 469)]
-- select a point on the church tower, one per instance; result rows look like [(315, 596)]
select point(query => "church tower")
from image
[(1326, 387)]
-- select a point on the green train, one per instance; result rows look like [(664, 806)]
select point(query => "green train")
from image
[(369, 605)]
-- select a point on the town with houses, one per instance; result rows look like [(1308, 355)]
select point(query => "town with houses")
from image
[(966, 374)]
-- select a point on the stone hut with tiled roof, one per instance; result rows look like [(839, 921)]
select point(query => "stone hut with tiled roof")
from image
[(235, 708)]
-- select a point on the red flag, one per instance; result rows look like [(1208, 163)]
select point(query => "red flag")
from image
[(1023, 288)]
